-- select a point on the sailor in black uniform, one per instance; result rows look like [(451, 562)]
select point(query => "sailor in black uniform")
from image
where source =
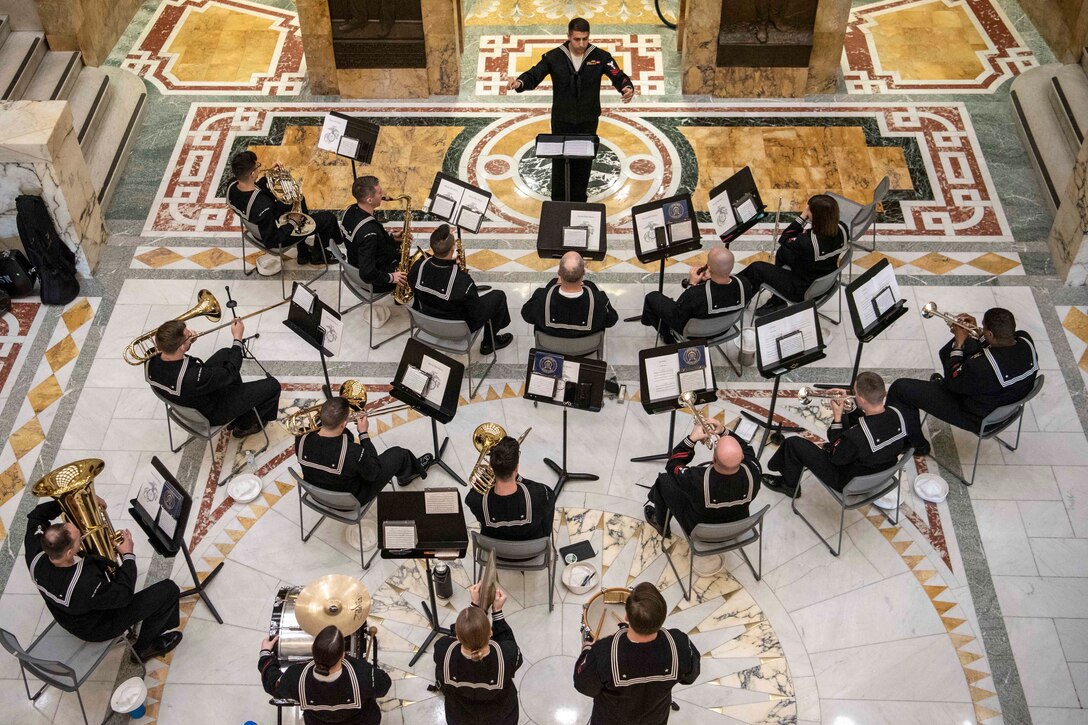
[(576, 68), (215, 387), (88, 598), (569, 305), (868, 440), (334, 688), (442, 289), (979, 377), (370, 248), (717, 492), (808, 249), (712, 291), (251, 199), (476, 670), (630, 675), (515, 509), (331, 459)]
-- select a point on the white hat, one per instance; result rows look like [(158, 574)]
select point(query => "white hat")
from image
[(931, 487), (575, 574)]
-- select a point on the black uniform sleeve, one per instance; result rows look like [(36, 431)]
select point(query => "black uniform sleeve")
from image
[(117, 592), (681, 456), (369, 239), (374, 681), (281, 684), (548, 516), (471, 301), (611, 317), (586, 678), (504, 637), (843, 450), (265, 212), (619, 79), (690, 674), (533, 77), (532, 310), (690, 303), (36, 523), (227, 370), (370, 468), (440, 646), (474, 501)]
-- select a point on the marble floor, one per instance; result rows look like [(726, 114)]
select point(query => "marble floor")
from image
[(974, 610)]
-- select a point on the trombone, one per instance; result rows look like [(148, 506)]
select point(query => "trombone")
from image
[(308, 420), (929, 310), (807, 394)]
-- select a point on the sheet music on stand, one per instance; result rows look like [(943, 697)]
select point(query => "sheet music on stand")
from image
[(788, 338), (874, 300), (348, 136), (428, 380), (736, 206), (457, 202), (569, 225), (667, 371), (570, 146), (665, 228), (566, 380)]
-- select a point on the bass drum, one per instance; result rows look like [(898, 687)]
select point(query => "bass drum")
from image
[(605, 613), (296, 644)]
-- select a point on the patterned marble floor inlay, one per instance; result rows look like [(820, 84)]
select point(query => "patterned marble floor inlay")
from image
[(558, 12), (942, 190), (219, 47), (1075, 323), (979, 47), (503, 57)]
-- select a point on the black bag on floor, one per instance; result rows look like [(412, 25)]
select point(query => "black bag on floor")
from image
[(55, 262), (5, 302), (17, 276)]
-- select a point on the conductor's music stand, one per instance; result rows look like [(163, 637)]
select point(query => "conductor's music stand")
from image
[(161, 509), (571, 226), (661, 381), (571, 382), (430, 382), (317, 324), (350, 137), (426, 525), (567, 147), (785, 340)]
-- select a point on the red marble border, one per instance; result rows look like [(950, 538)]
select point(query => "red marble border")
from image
[(22, 314), (1008, 56)]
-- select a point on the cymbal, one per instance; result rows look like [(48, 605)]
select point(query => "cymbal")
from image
[(336, 599)]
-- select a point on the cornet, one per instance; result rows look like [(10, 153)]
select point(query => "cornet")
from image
[(687, 400), (929, 310), (807, 394)]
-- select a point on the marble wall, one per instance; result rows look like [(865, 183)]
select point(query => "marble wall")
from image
[(1062, 23), (700, 22), (1069, 236), (443, 31), (89, 26), (39, 154), (23, 14)]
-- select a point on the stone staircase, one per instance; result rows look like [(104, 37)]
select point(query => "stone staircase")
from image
[(1050, 103), (107, 103)]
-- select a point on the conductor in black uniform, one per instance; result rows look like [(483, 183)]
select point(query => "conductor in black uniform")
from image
[(370, 248), (808, 249), (979, 377), (215, 387), (331, 458), (89, 599), (711, 291), (868, 440), (718, 492), (252, 200), (442, 289), (515, 509), (476, 670), (576, 68), (331, 689), (569, 305), (630, 675)]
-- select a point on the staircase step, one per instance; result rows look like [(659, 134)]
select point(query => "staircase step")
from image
[(1069, 98), (108, 150), (5, 29), (56, 76), (19, 59), (90, 99), (1041, 131)]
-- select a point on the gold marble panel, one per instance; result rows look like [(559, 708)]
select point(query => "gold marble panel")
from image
[(383, 82), (44, 394), (62, 353), (405, 161), (556, 12), (159, 257), (79, 314), (794, 162), (11, 482), (222, 45), (25, 439), (900, 37), (1076, 322)]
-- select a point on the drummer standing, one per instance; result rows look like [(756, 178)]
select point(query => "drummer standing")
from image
[(630, 675)]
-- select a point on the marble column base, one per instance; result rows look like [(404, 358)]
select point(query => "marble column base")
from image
[(1068, 238)]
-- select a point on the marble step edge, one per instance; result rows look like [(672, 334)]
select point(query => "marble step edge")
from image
[(89, 100), (1040, 130), (108, 150), (5, 29), (20, 56), (56, 76)]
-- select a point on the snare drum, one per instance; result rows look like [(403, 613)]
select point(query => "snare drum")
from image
[(605, 613), (296, 644)]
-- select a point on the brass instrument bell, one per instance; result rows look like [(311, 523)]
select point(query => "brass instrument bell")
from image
[(143, 349), (72, 485), (687, 400), (289, 191), (484, 438), (929, 310)]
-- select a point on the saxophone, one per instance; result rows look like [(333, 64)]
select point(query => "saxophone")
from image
[(403, 293)]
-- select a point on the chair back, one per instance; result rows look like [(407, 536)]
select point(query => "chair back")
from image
[(881, 190), (862, 221), (251, 231), (317, 498), (189, 419), (350, 276), (871, 484), (823, 288), (592, 344), (716, 537), (711, 328), (1001, 417), (449, 335), (509, 554), (52, 672)]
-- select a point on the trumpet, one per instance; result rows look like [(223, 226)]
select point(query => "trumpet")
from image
[(687, 400), (143, 348), (807, 394), (929, 310), (288, 191), (486, 435), (308, 420)]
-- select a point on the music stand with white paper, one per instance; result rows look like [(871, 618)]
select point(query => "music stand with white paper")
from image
[(662, 377), (567, 147), (318, 324), (457, 202), (736, 206), (874, 302), (572, 226), (350, 137)]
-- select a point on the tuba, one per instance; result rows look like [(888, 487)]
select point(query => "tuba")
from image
[(486, 435), (288, 191), (307, 420), (72, 485), (143, 349)]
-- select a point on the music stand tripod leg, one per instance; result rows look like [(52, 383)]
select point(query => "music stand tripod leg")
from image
[(432, 614), (561, 471), (771, 429), (198, 585), (439, 450)]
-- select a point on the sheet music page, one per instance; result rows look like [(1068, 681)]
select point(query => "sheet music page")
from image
[(450, 190), (415, 380), (443, 207), (441, 501), (592, 220), (570, 374), (400, 535), (541, 385), (791, 345), (692, 380), (864, 295), (661, 377), (578, 147), (440, 375), (747, 210), (332, 130), (746, 429), (645, 224), (549, 148), (349, 146), (721, 211), (303, 297), (767, 335), (469, 218), (475, 200), (681, 231), (575, 237), (334, 331)]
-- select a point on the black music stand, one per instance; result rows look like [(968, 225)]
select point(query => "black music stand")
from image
[(874, 303), (430, 382), (350, 137), (163, 514), (663, 229), (317, 324), (583, 390), (435, 522), (785, 340), (659, 393), (566, 147), (736, 206), (459, 204), (572, 226)]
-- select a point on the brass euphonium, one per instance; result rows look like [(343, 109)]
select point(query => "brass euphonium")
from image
[(143, 349), (486, 435), (307, 420), (288, 191), (72, 485)]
